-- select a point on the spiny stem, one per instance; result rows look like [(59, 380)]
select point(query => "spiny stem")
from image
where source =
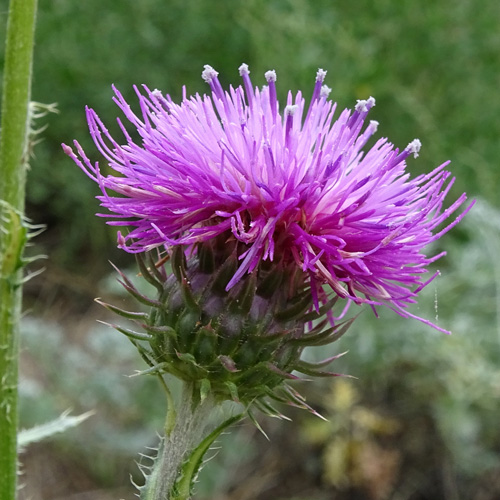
[(178, 447), (13, 157), (175, 446)]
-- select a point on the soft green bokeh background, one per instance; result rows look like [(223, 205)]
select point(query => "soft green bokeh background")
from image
[(434, 68)]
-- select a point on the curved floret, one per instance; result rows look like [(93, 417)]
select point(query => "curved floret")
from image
[(293, 186)]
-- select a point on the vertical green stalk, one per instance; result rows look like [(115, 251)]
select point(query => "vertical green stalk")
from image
[(181, 452), (13, 159), (180, 440)]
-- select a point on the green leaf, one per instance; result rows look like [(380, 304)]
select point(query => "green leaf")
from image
[(183, 486), (44, 431)]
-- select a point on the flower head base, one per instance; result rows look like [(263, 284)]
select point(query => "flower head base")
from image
[(292, 187), (242, 344)]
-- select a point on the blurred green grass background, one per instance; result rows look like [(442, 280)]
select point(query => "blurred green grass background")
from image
[(434, 68)]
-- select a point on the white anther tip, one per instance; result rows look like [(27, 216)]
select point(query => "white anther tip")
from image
[(361, 106), (414, 147), (374, 125), (209, 73), (320, 75), (325, 91), (270, 76), (291, 109), (243, 69)]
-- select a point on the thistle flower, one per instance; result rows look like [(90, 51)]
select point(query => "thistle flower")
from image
[(291, 186), (268, 217)]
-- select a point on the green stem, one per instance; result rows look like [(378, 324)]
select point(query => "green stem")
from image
[(182, 449), (13, 156), (187, 432)]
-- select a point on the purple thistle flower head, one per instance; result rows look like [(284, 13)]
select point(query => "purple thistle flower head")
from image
[(292, 186)]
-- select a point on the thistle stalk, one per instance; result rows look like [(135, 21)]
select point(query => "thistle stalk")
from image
[(186, 433), (13, 159), (181, 451)]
